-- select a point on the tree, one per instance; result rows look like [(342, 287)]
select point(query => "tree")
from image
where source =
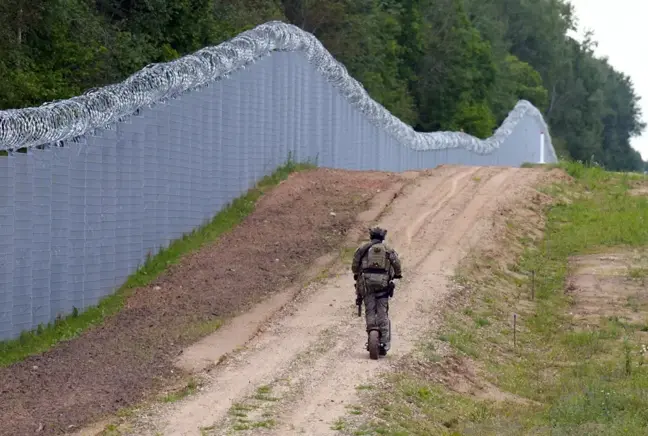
[(436, 64)]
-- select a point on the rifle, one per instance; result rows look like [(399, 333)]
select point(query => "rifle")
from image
[(358, 300)]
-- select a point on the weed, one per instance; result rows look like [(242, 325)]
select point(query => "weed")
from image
[(339, 425), (187, 390), (354, 409), (266, 423), (638, 273), (263, 394), (265, 389), (364, 387), (482, 322), (205, 430), (243, 420), (110, 430), (125, 412), (240, 409)]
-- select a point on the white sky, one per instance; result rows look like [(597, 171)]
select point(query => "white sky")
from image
[(619, 27)]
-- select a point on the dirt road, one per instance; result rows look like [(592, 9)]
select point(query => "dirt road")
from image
[(301, 373)]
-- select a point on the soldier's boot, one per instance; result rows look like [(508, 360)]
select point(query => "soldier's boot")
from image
[(367, 343), (386, 345)]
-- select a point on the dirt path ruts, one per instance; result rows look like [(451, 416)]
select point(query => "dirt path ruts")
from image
[(309, 363)]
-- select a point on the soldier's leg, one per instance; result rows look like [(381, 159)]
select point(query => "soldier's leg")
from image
[(382, 318), (370, 310)]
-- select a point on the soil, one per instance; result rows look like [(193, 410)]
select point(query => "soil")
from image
[(301, 373), (601, 286), (132, 355)]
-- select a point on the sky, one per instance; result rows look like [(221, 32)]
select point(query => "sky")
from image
[(619, 27)]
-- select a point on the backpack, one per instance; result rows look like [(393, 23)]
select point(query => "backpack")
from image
[(376, 267)]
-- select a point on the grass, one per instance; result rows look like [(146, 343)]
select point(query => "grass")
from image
[(339, 425), (263, 393), (187, 390), (45, 337), (204, 431), (266, 423), (110, 430), (255, 412), (562, 378), (364, 387)]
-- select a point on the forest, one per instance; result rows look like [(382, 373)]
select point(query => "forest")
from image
[(436, 64)]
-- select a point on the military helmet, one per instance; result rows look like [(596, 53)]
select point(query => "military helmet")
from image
[(377, 233)]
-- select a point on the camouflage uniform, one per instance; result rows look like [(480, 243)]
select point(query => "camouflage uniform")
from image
[(376, 302)]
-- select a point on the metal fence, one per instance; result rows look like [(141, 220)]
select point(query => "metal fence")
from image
[(119, 172)]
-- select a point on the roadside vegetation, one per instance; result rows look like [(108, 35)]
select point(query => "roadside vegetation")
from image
[(548, 334), (63, 329)]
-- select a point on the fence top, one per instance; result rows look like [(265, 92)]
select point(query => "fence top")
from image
[(63, 120)]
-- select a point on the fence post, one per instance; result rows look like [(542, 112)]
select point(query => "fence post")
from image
[(515, 330)]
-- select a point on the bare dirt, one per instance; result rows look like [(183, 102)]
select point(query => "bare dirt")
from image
[(132, 355), (611, 284), (300, 373)]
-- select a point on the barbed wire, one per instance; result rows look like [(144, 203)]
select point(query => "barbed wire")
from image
[(59, 121)]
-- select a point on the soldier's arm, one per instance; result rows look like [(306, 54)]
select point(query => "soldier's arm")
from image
[(395, 261), (355, 264)]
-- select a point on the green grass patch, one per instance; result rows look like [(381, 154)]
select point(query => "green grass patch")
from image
[(204, 431), (266, 423), (110, 430), (263, 393), (365, 387), (416, 406), (241, 410), (187, 390), (339, 425), (256, 412), (639, 273), (45, 337), (562, 378)]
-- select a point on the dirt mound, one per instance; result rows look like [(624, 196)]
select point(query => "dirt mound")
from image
[(120, 363)]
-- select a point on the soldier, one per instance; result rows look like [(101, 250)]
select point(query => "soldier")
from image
[(374, 267)]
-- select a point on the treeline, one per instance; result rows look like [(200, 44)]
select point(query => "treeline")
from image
[(436, 64)]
